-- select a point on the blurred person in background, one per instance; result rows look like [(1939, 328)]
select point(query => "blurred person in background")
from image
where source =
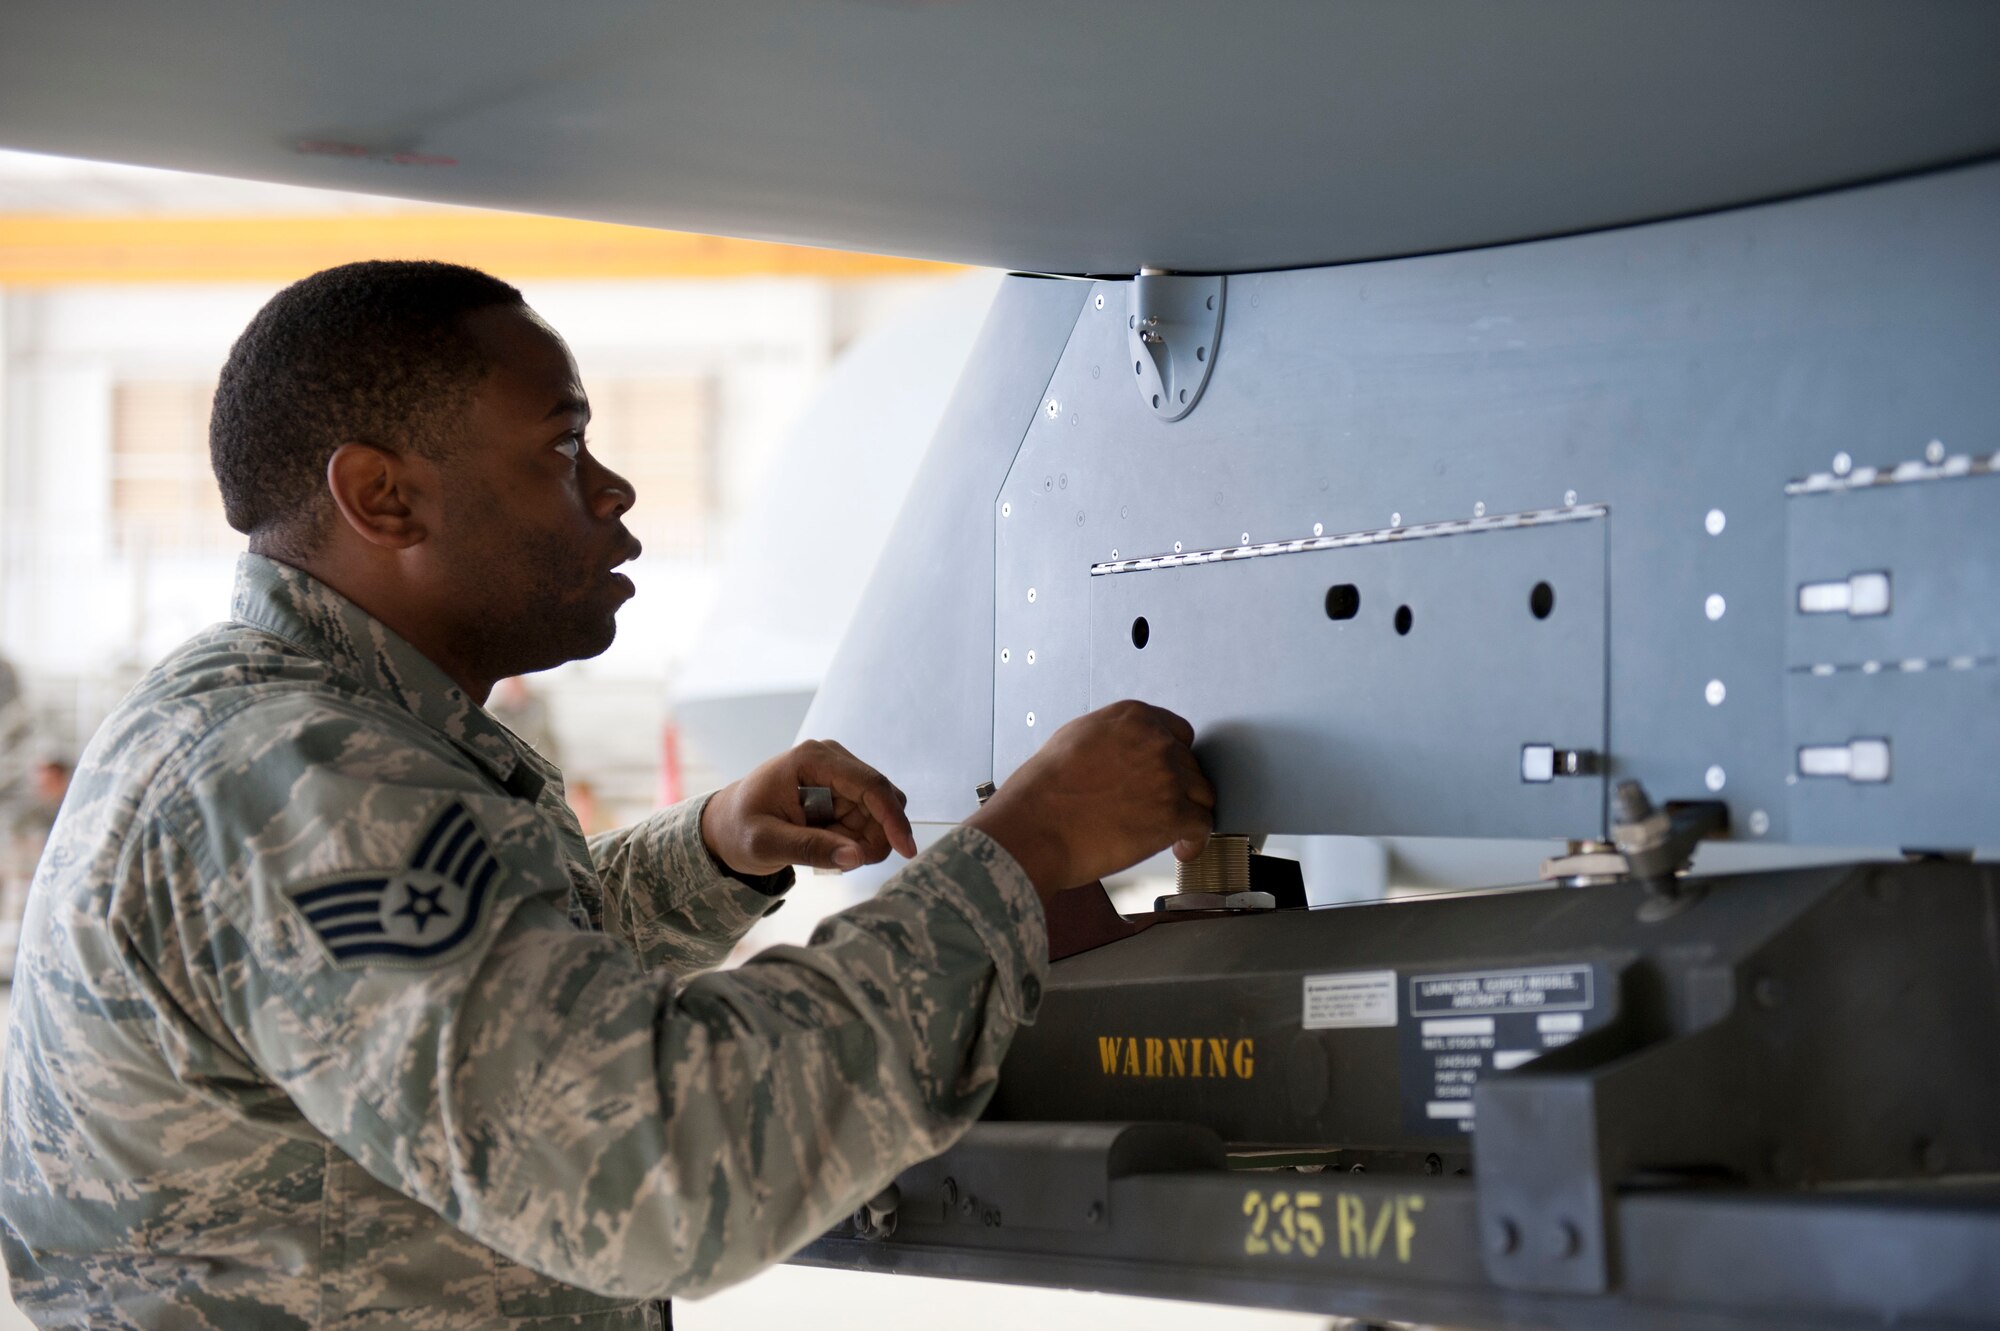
[(329, 1012)]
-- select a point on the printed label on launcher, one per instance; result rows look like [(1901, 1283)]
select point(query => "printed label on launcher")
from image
[(1459, 1026), (1163, 1056)]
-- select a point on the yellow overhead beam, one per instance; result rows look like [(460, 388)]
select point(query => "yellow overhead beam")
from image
[(39, 250)]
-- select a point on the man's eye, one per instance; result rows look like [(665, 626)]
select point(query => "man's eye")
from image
[(570, 445)]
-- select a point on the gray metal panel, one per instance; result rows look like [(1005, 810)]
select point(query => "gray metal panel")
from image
[(910, 688), (1669, 372), (1310, 724), (1943, 729), (1939, 542), (1080, 136)]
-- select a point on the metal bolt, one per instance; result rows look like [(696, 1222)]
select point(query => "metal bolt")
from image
[(1093, 1213), (1031, 597), (1114, 552), (1246, 538), (1395, 519), (1006, 510), (1934, 452), (1031, 718), (1565, 1240), (1715, 521), (1479, 509), (1054, 408), (1319, 529), (950, 1193), (1031, 656), (1569, 499), (1005, 656), (1714, 778), (1842, 464), (1760, 822), (1768, 992), (1715, 692), (1503, 1236), (1715, 606), (1177, 547), (1100, 302), (968, 1205)]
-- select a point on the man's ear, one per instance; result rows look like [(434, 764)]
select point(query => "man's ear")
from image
[(375, 492)]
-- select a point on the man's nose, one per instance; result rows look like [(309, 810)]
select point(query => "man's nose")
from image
[(613, 496)]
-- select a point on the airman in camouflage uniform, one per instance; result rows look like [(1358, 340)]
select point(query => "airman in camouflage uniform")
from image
[(329, 1016)]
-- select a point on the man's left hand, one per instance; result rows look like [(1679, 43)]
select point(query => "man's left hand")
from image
[(757, 826)]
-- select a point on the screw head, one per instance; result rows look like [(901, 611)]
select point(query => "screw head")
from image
[(1760, 822), (1842, 464), (1005, 656), (1715, 692), (1934, 452), (1100, 302), (1569, 499), (1479, 509), (1565, 1240), (950, 1193), (1031, 656), (1177, 547), (1246, 538), (1714, 778), (1395, 519), (1031, 596), (1006, 510), (1093, 1213), (1319, 529), (1503, 1236), (1715, 521), (1031, 720), (1714, 607), (1054, 408)]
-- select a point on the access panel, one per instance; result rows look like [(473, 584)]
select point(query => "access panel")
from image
[(1445, 680)]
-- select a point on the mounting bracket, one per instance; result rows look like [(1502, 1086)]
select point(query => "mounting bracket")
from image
[(1171, 329)]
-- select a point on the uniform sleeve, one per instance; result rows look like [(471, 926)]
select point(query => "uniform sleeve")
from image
[(392, 948), (662, 893)]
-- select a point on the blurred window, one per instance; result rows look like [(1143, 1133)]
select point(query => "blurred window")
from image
[(659, 434), (163, 495)]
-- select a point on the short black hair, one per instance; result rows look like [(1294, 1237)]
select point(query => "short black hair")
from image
[(372, 353)]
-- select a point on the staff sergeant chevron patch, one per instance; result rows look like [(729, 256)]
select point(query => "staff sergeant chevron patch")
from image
[(412, 914)]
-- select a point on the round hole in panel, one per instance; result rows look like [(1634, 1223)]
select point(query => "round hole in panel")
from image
[(1404, 619), (1541, 600), (1142, 633)]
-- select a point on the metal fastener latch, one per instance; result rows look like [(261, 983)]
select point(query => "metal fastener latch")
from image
[(1171, 329), (1545, 762), (1862, 761), (1858, 597)]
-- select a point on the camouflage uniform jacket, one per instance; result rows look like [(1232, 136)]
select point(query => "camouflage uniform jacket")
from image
[(329, 1016)]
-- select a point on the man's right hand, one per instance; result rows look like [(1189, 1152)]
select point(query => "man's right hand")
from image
[(1105, 791)]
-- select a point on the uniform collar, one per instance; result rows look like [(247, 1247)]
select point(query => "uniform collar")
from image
[(319, 621)]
